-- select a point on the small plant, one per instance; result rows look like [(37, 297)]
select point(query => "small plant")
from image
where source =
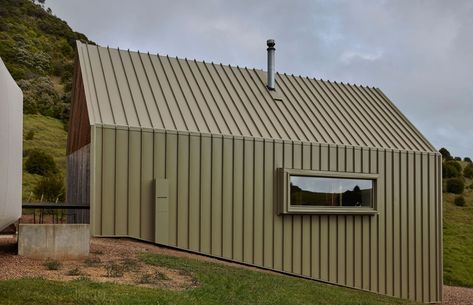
[(74, 272), (114, 270), (155, 278), (40, 163), (50, 188), (129, 264), (29, 135), (459, 201), (455, 185), (52, 265), (92, 261), (468, 171)]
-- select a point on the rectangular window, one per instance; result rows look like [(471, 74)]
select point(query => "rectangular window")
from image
[(320, 192), (323, 191)]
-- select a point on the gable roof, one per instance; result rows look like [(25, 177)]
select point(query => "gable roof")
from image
[(143, 91)]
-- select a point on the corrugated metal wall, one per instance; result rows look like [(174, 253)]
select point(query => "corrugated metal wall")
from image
[(222, 201)]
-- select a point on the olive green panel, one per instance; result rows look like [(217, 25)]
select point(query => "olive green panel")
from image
[(248, 202), (182, 191), (148, 204), (268, 206), (96, 181), (171, 175), (238, 147), (134, 183), (258, 189), (227, 200), (217, 195), (121, 183), (194, 192), (216, 206), (205, 198)]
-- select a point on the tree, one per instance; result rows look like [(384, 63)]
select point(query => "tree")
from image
[(468, 171), (40, 163), (451, 169), (445, 154), (455, 185), (467, 159)]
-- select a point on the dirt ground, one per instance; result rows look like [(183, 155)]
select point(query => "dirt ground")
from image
[(116, 260)]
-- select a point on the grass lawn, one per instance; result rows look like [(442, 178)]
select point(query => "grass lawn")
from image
[(48, 135), (458, 239), (218, 284)]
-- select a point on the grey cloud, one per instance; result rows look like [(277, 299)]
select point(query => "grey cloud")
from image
[(420, 53)]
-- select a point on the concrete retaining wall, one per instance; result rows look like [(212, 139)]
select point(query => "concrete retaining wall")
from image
[(54, 240)]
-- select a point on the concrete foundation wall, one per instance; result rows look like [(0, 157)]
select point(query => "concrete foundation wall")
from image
[(54, 240)]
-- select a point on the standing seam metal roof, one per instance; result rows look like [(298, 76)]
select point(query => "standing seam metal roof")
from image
[(134, 89)]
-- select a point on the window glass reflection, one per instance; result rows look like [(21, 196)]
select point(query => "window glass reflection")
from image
[(323, 191)]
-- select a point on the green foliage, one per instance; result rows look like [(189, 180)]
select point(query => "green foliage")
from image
[(114, 270), (457, 158), (29, 135), (50, 188), (152, 278), (455, 185), (467, 159), (38, 50), (451, 169), (52, 264), (468, 171), (40, 97), (92, 261), (40, 163), (459, 201), (74, 272), (445, 154)]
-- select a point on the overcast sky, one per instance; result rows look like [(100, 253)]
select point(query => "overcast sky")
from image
[(420, 53)]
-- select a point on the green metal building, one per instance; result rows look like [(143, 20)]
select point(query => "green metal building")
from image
[(319, 179)]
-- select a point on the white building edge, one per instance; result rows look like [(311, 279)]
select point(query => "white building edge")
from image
[(11, 148)]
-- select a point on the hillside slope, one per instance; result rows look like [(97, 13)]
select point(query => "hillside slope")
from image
[(38, 49)]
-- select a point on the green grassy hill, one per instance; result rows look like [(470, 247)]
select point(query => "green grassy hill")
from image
[(48, 135), (458, 238)]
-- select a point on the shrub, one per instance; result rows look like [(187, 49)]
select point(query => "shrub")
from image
[(40, 163), (50, 188), (92, 261), (445, 154), (455, 185), (74, 272), (29, 135), (459, 201), (457, 158), (467, 159), (468, 171), (155, 278), (52, 264), (449, 170), (114, 270)]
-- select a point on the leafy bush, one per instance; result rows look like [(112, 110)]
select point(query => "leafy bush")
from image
[(50, 188), (459, 201), (457, 158), (445, 154), (92, 261), (467, 159), (29, 135), (74, 272), (51, 264), (114, 270), (468, 171), (455, 185), (450, 170), (40, 97), (40, 163)]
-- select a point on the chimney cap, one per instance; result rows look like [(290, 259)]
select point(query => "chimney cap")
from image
[(270, 43)]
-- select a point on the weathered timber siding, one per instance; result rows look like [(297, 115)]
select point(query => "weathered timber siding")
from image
[(220, 200), (78, 184)]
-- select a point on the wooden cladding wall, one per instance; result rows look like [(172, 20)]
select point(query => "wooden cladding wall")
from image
[(78, 183), (221, 202), (79, 125)]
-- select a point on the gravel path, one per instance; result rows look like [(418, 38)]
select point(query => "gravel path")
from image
[(457, 295)]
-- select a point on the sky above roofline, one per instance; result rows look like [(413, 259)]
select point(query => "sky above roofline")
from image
[(420, 53)]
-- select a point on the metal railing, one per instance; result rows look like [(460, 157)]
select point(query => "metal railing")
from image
[(57, 212)]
